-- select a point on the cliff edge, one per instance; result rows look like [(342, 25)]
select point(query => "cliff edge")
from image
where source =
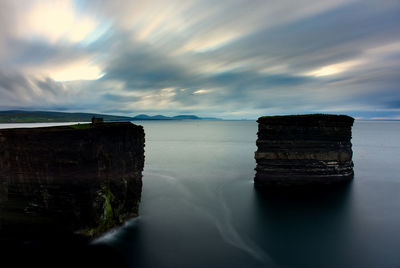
[(298, 150), (79, 179)]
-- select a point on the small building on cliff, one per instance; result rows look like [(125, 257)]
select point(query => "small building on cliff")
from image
[(97, 120)]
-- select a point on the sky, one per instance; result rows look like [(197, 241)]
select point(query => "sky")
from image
[(232, 59)]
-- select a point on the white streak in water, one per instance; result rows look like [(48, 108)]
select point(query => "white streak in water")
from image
[(223, 222), (221, 218), (116, 233)]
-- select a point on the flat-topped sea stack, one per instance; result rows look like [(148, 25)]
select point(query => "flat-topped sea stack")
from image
[(84, 178), (303, 150)]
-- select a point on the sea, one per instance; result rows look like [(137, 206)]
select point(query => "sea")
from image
[(199, 207)]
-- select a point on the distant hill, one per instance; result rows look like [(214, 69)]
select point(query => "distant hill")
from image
[(148, 117), (162, 117), (17, 116), (177, 117)]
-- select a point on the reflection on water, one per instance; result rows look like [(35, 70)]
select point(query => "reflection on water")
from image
[(303, 228)]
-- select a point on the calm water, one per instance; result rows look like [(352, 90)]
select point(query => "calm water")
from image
[(199, 207)]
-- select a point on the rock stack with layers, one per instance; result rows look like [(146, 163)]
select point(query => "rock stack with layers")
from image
[(303, 150), (82, 179)]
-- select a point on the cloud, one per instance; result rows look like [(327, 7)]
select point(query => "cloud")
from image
[(19, 91), (55, 21), (81, 70), (230, 59)]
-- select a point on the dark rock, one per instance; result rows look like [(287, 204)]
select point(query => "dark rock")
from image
[(303, 150), (60, 181)]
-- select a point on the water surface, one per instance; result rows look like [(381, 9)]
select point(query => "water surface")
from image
[(200, 209)]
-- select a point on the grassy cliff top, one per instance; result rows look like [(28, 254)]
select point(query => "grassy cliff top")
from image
[(307, 119)]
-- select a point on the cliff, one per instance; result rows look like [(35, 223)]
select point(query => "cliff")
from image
[(303, 150), (81, 179)]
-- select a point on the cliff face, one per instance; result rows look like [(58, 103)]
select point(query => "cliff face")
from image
[(303, 150), (69, 179)]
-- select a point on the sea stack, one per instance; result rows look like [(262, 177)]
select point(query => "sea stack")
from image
[(80, 179), (303, 150)]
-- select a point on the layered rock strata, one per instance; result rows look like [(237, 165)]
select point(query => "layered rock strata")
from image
[(69, 179), (303, 150)]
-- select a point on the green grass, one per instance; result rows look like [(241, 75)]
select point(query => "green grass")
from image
[(81, 126)]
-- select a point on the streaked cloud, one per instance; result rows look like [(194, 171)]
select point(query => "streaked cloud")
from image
[(234, 59), (202, 91), (57, 20), (334, 69), (81, 70)]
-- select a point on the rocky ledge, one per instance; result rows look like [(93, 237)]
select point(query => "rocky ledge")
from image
[(303, 150), (79, 179)]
